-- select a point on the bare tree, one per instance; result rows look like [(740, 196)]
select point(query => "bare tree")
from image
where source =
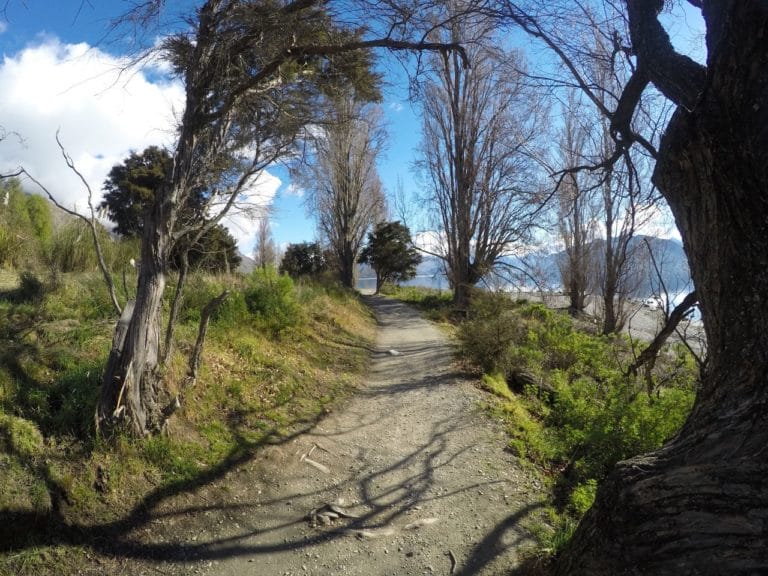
[(624, 188), (346, 195), (255, 74), (693, 505), (479, 124), (265, 251), (577, 210)]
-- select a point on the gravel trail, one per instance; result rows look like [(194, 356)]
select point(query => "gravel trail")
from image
[(417, 467)]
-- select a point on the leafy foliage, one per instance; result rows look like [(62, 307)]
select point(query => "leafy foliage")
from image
[(390, 252), (25, 226), (304, 259), (130, 190), (577, 411)]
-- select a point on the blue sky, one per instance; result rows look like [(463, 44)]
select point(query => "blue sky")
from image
[(60, 71)]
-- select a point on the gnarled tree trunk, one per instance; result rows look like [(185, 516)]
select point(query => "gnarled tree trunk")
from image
[(132, 389), (699, 505)]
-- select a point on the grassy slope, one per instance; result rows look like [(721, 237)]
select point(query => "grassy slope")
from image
[(260, 380)]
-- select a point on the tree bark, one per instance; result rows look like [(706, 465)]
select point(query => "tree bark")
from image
[(699, 505), (131, 389), (348, 257), (178, 298)]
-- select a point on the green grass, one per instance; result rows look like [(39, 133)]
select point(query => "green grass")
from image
[(277, 357), (437, 305)]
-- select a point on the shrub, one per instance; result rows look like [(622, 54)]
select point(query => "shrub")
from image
[(494, 326), (200, 289), (604, 423), (271, 298), (31, 288), (233, 310), (582, 497), (594, 416)]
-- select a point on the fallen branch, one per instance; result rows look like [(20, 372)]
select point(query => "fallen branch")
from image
[(452, 557)]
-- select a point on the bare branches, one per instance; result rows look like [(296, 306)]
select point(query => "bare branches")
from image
[(90, 221), (346, 194), (648, 356), (480, 128)]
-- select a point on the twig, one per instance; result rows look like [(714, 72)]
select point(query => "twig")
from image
[(452, 556)]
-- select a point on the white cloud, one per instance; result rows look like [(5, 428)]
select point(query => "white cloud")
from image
[(102, 112), (253, 204), (3, 26), (294, 190), (396, 107), (657, 221)]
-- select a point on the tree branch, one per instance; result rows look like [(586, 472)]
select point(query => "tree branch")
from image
[(91, 222), (651, 353), (195, 358), (678, 77)]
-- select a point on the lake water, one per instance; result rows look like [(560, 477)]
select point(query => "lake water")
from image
[(437, 281), (440, 282)]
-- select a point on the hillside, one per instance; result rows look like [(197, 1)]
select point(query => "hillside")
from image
[(277, 357)]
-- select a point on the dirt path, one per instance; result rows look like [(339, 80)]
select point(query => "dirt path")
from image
[(411, 455)]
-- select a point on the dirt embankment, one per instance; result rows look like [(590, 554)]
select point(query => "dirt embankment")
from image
[(415, 472)]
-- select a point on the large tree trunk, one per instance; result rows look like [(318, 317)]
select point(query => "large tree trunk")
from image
[(462, 282), (347, 258), (132, 390), (699, 505)]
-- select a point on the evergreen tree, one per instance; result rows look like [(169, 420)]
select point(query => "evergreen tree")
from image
[(129, 192), (304, 259), (390, 252)]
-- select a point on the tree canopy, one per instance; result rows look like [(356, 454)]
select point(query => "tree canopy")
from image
[(391, 254), (303, 259), (130, 190)]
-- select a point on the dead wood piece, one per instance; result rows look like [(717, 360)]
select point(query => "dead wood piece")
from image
[(420, 523), (341, 511), (452, 557), (323, 468)]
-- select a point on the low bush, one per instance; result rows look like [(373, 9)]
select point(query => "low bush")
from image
[(271, 298), (22, 436), (592, 413)]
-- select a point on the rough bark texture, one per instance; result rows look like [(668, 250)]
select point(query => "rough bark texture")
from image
[(699, 505), (131, 387)]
